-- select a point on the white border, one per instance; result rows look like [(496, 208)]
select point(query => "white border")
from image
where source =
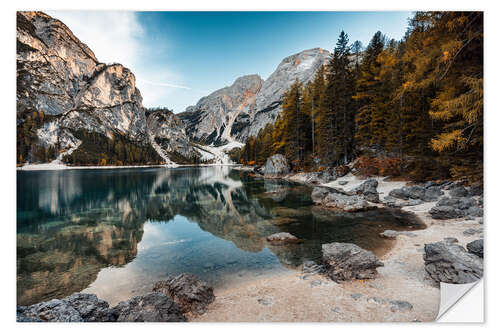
[(8, 198)]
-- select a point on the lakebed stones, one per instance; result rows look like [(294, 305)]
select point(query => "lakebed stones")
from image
[(451, 263), (333, 198), (346, 261), (276, 165), (190, 293), (282, 238), (476, 247), (152, 307)]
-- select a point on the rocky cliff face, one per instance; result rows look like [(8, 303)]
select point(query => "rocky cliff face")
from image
[(240, 111), (64, 91), (213, 117)]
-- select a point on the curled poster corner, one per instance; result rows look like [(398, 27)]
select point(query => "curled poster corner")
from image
[(453, 299)]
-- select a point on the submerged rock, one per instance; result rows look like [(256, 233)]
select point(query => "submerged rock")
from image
[(188, 291), (476, 247), (346, 261), (450, 263), (152, 307), (283, 238), (276, 165)]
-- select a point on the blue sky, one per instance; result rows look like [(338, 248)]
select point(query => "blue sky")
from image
[(179, 57)]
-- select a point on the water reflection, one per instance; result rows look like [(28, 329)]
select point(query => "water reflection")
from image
[(114, 232)]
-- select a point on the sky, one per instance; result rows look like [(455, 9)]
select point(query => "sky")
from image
[(179, 57)]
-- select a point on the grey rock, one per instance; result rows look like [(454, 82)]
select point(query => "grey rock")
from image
[(450, 240), (368, 189), (276, 165), (75, 308), (333, 198), (445, 212), (394, 234), (152, 307), (283, 238), (472, 231), (476, 189), (476, 247), (451, 263), (343, 182), (356, 296), (459, 191), (188, 291), (265, 301), (432, 194), (345, 261), (377, 300), (401, 306), (474, 212), (315, 283)]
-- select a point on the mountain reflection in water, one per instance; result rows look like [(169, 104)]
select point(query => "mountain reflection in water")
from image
[(115, 232)]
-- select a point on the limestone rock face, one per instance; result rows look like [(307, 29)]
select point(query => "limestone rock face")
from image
[(215, 116), (276, 165), (346, 261), (249, 104), (152, 307), (167, 135), (190, 293), (60, 79), (451, 263)]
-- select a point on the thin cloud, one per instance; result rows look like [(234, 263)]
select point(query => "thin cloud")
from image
[(163, 84)]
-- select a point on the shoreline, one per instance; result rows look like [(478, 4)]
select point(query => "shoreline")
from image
[(55, 167), (295, 298)]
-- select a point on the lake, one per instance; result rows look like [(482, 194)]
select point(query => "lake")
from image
[(114, 232)]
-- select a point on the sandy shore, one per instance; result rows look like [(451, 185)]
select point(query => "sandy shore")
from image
[(289, 297)]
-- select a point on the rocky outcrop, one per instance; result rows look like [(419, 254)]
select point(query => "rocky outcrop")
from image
[(242, 109), (152, 307), (216, 118), (476, 247), (336, 199), (75, 308), (276, 165), (345, 261), (281, 238), (368, 189), (69, 95), (450, 263), (190, 293)]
